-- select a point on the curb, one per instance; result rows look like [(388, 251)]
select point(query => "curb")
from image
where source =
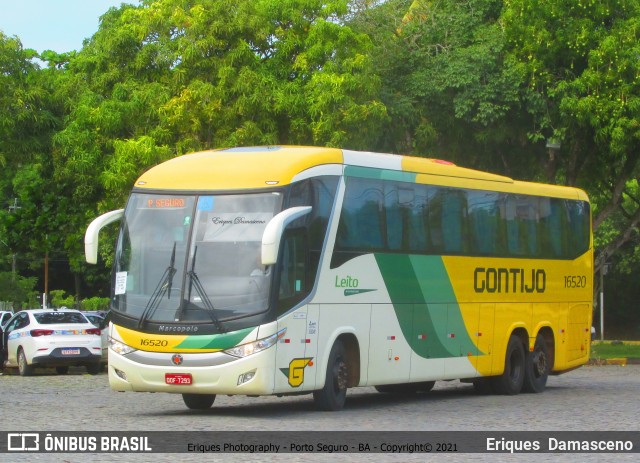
[(615, 361)]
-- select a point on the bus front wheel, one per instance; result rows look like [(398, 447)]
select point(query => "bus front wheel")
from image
[(334, 393), (198, 401), (510, 382)]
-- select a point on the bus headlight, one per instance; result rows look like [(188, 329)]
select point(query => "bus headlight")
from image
[(254, 347), (120, 347)]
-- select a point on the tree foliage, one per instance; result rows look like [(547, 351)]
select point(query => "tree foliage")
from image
[(25, 121), (173, 76), (499, 84), (32, 219), (454, 89), (17, 290), (582, 59)]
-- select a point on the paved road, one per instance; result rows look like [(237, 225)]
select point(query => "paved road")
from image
[(594, 398)]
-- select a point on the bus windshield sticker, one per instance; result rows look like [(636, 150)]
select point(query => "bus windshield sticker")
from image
[(232, 226), (205, 203), (121, 283)]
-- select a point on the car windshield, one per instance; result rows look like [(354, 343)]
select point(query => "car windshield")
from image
[(193, 258), (96, 320), (52, 318)]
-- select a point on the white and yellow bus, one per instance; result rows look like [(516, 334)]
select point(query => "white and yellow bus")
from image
[(287, 270)]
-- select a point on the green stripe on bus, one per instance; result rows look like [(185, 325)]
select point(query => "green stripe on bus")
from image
[(215, 341), (425, 305)]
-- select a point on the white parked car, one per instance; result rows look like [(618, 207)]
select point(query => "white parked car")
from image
[(57, 338), (101, 322)]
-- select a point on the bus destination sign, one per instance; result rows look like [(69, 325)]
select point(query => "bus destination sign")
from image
[(165, 203)]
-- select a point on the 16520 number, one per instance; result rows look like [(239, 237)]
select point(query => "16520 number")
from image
[(575, 281)]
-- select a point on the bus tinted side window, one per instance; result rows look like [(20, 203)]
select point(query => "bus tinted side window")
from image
[(304, 239), (362, 225), (391, 216), (454, 215), (579, 226), (521, 216), (484, 221), (294, 268)]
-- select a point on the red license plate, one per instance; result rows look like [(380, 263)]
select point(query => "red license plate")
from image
[(178, 379)]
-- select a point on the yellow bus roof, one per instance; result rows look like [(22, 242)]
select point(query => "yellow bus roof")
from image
[(236, 168), (266, 166)]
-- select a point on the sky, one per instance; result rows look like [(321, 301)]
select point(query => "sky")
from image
[(58, 25)]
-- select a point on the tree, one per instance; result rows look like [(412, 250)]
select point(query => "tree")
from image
[(28, 118), (60, 299), (491, 84), (171, 77), (454, 89), (18, 290), (25, 122), (582, 60)]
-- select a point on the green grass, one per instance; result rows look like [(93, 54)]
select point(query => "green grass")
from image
[(619, 349)]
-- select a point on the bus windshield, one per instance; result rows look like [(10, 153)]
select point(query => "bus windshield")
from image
[(193, 258)]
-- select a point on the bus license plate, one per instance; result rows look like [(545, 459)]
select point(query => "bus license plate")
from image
[(70, 351), (178, 379)]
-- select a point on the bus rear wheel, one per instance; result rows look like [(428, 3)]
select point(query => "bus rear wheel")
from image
[(510, 382), (483, 386), (198, 401), (537, 367), (334, 393)]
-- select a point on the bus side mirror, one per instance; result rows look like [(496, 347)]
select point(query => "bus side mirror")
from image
[(274, 229), (91, 235)]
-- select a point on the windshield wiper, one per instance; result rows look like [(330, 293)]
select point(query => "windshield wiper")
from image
[(164, 286), (172, 270), (194, 281)]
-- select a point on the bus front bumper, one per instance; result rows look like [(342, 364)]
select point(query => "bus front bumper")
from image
[(252, 375)]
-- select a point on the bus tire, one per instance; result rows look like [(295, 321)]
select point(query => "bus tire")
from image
[(537, 367), (510, 382), (334, 393), (198, 401), (483, 386)]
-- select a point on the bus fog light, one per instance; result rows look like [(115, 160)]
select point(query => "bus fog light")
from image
[(121, 374), (245, 377)]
